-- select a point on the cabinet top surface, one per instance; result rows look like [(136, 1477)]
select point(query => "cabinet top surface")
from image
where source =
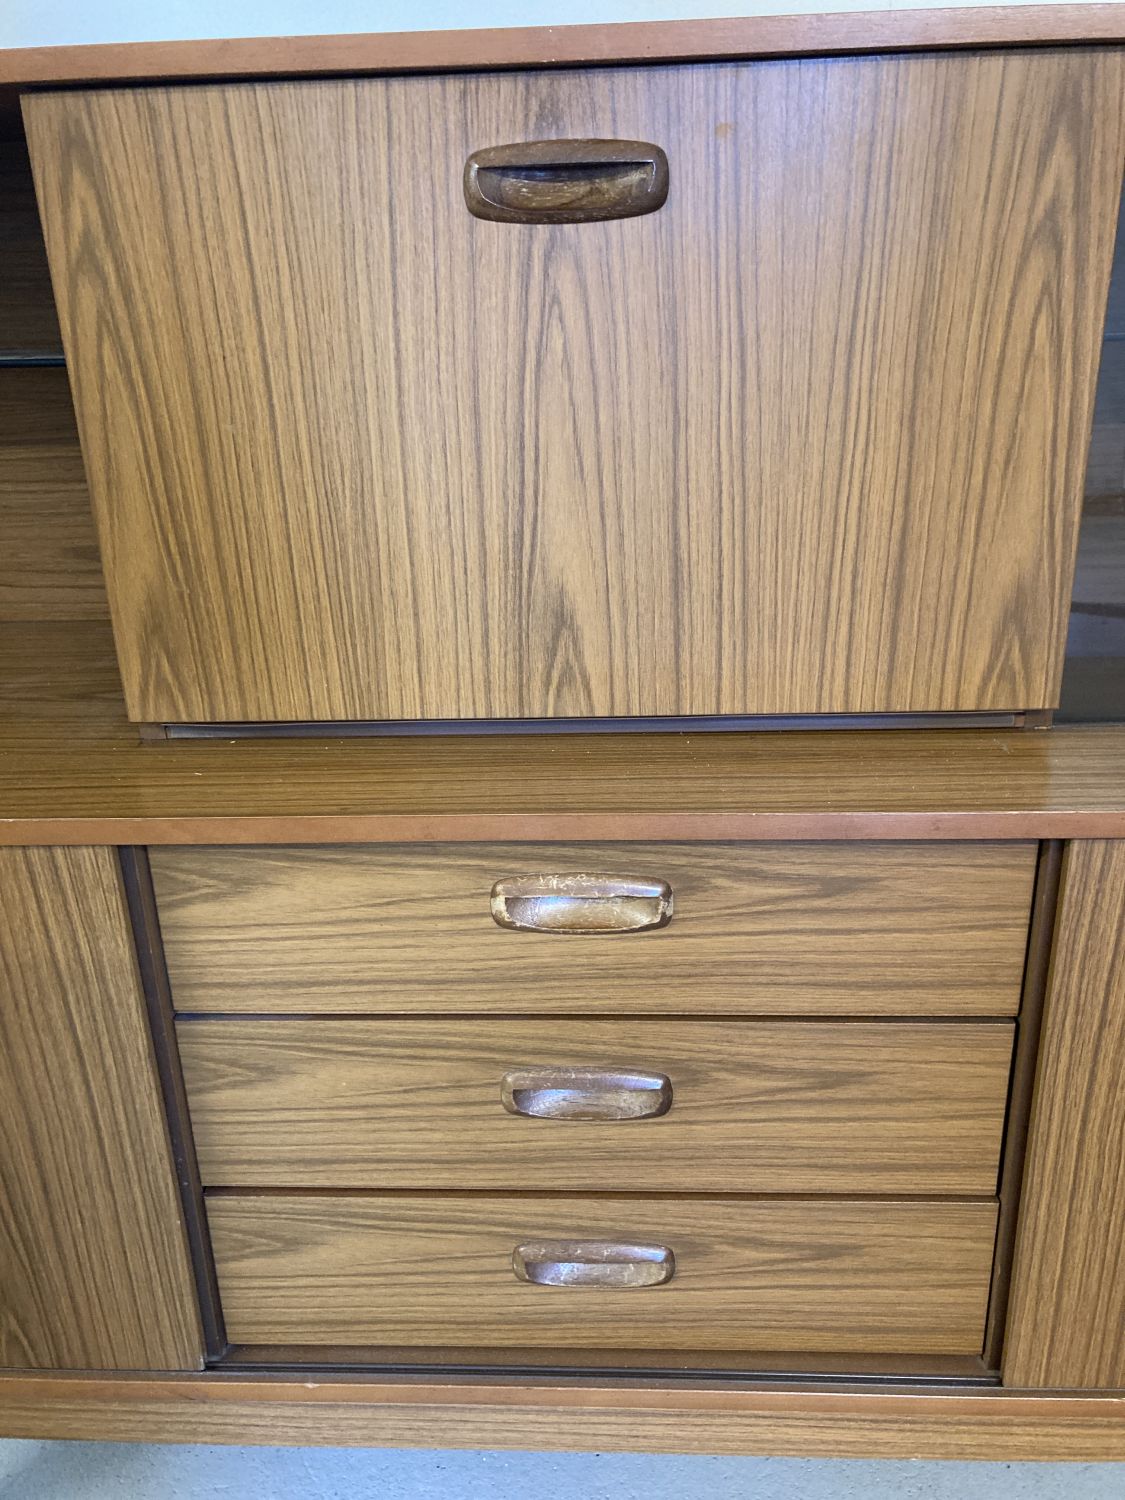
[(72, 771), (551, 46)]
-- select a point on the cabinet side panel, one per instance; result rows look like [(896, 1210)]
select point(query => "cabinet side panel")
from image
[(94, 1272), (1067, 1321)]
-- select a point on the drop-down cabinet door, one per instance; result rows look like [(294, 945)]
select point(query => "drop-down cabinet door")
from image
[(754, 388)]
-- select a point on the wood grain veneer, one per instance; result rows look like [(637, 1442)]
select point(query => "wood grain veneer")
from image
[(815, 1274), (756, 1107), (672, 1417), (718, 460), (1066, 1325), (768, 929), (49, 563), (60, 694), (73, 772), (94, 1271), (554, 1414), (541, 46), (29, 324)]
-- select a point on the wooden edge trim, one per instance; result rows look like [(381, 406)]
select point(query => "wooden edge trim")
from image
[(935, 1371), (622, 1416), (1025, 1057), (557, 46), (476, 827), (140, 900)]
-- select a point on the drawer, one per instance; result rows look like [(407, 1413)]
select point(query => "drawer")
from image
[(406, 1270), (769, 929), (727, 1106), (778, 447)]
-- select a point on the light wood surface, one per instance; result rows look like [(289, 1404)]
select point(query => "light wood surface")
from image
[(1066, 1326), (536, 46), (73, 772), (555, 1415), (778, 448), (49, 563), (756, 1107), (814, 1274), (94, 1271), (29, 324), (768, 929)]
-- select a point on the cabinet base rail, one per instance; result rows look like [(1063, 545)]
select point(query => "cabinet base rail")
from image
[(580, 1414), (682, 724)]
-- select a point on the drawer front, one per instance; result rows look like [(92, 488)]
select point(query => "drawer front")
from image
[(750, 1106), (772, 929), (376, 458), (826, 1276)]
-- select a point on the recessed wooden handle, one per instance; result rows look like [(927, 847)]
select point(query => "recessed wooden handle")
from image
[(565, 182), (585, 1094), (580, 903), (584, 1263)]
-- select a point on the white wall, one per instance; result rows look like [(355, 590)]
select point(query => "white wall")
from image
[(35, 23)]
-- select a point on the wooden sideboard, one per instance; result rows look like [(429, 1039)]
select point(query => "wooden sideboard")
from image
[(709, 1089)]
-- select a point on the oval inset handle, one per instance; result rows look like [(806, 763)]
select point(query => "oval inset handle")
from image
[(586, 1263), (585, 1094), (580, 903), (565, 182)]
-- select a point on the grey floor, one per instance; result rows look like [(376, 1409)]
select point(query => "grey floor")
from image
[(136, 1471)]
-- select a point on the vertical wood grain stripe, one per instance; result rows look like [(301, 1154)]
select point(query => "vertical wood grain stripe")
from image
[(810, 439), (1067, 1321), (94, 1271)]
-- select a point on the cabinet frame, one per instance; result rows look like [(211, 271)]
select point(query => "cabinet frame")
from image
[(102, 790)]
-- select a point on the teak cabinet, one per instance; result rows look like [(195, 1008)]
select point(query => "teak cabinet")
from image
[(808, 439), (706, 1091)]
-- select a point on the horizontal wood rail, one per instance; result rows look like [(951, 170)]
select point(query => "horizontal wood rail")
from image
[(554, 1415), (561, 46), (73, 772)]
